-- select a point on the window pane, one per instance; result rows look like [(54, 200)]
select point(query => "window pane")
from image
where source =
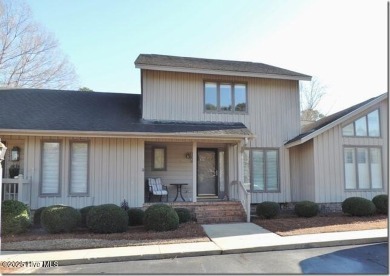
[(247, 173), (226, 97), (240, 97), (350, 168), (373, 123), (272, 170), (50, 168), (363, 170), (258, 170), (376, 168), (79, 168), (210, 96), (159, 158), (348, 130), (361, 127)]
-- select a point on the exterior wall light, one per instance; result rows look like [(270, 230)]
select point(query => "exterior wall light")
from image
[(15, 154)]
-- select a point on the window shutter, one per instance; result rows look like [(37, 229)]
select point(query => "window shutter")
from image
[(79, 168), (50, 167)]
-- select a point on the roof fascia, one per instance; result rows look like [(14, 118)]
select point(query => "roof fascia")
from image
[(141, 135), (220, 72), (336, 122)]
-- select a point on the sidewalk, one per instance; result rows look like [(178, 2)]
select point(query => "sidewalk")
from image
[(225, 239)]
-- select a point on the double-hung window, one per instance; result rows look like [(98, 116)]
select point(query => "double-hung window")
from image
[(78, 184), (363, 168), (50, 168), (261, 170), (225, 97)]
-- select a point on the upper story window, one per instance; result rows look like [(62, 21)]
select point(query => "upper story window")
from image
[(225, 97), (366, 126)]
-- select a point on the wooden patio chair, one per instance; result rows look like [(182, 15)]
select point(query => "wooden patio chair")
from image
[(157, 188)]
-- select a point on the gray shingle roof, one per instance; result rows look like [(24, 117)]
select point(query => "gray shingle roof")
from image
[(214, 65), (307, 130), (60, 110)]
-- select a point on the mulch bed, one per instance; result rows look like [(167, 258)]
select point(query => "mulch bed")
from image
[(290, 224), (38, 239)]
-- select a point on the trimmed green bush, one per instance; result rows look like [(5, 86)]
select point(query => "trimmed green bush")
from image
[(84, 211), (268, 209), (306, 209), (381, 203), (161, 217), (107, 218), (358, 206), (184, 214), (60, 218), (37, 216), (136, 216), (15, 217)]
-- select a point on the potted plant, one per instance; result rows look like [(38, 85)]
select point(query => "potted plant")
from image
[(13, 171)]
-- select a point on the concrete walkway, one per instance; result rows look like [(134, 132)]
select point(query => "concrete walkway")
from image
[(225, 239)]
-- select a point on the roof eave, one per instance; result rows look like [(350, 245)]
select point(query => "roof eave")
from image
[(118, 134), (336, 122), (220, 72)]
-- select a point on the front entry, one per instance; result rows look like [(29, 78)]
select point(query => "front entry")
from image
[(207, 174)]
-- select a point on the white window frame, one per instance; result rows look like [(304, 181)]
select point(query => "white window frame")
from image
[(59, 142), (71, 193), (232, 85), (355, 149)]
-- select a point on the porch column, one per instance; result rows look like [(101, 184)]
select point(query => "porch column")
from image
[(239, 165), (194, 161)]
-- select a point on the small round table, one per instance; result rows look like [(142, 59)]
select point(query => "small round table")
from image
[(178, 190)]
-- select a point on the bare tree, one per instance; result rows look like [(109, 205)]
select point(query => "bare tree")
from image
[(29, 55), (311, 95)]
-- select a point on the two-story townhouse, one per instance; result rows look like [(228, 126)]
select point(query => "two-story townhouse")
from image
[(221, 128)]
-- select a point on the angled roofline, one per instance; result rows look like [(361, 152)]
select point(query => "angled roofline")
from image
[(160, 66), (119, 134), (311, 134)]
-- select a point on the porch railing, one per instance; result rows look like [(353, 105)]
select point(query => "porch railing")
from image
[(238, 192), (16, 189)]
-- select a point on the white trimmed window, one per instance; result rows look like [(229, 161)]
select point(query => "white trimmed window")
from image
[(50, 168), (225, 97), (261, 170), (363, 168), (78, 168), (366, 126)]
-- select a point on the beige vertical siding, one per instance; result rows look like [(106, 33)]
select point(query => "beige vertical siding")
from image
[(115, 171), (179, 169), (302, 172), (329, 162), (273, 111)]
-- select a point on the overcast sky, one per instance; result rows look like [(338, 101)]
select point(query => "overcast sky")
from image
[(343, 43)]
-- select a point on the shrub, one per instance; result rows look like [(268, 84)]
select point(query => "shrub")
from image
[(37, 216), (60, 218), (107, 218), (84, 211), (161, 217), (136, 216), (381, 203), (267, 209), (184, 214), (358, 206), (15, 217), (306, 209)]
